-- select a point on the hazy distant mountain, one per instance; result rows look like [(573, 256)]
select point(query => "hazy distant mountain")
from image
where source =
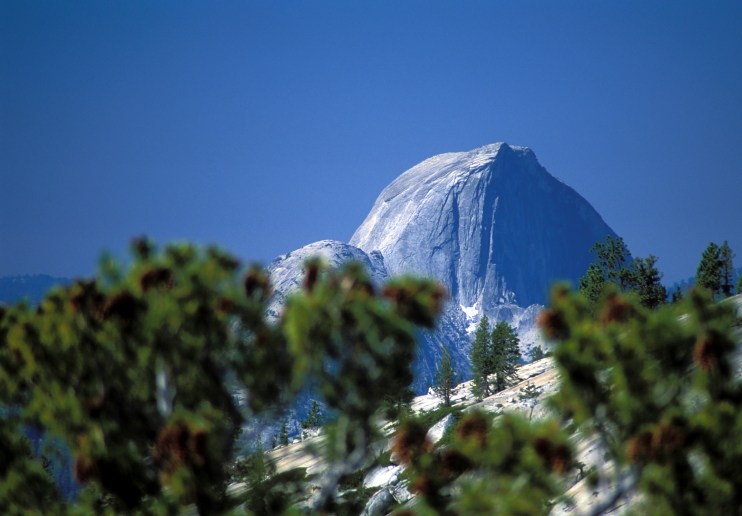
[(30, 287), (491, 224)]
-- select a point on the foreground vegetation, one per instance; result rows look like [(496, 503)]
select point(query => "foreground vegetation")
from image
[(134, 371)]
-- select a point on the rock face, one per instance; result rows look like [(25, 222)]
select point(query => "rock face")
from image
[(287, 270), (438, 430), (286, 276), (490, 224)]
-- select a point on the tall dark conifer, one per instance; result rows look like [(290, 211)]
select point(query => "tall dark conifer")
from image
[(647, 282), (613, 265), (480, 358), (505, 353), (726, 257), (613, 257), (592, 283), (708, 274), (445, 378), (677, 295), (284, 437), (314, 417)]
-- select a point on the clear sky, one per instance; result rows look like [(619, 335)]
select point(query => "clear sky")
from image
[(264, 126)]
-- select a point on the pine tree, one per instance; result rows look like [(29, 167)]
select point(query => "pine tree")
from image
[(592, 283), (284, 438), (646, 279), (739, 284), (480, 366), (708, 274), (726, 257), (537, 353), (253, 468), (613, 258), (529, 394), (677, 295), (613, 265), (505, 354), (314, 417), (397, 404), (445, 378)]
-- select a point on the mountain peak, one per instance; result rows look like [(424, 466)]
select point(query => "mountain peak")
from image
[(493, 150), (491, 224), (453, 167)]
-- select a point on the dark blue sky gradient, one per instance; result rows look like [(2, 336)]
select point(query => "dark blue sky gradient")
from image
[(263, 126)]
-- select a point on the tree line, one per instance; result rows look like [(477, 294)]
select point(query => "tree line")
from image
[(613, 266)]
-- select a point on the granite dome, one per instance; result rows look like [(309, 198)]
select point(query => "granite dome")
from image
[(490, 224)]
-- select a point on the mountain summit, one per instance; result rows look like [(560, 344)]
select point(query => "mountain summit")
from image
[(490, 224)]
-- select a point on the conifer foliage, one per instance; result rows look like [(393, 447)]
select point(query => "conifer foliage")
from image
[(314, 417), (494, 357), (726, 257), (445, 378), (646, 281), (134, 371), (612, 265), (536, 353), (481, 358), (283, 438), (614, 268), (505, 355), (529, 395), (659, 393), (716, 269), (708, 274)]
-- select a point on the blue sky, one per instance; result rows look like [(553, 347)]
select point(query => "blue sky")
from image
[(263, 126)]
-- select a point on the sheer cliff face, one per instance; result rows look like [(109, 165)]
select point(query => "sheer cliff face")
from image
[(492, 224)]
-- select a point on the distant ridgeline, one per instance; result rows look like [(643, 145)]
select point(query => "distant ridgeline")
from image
[(31, 287)]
